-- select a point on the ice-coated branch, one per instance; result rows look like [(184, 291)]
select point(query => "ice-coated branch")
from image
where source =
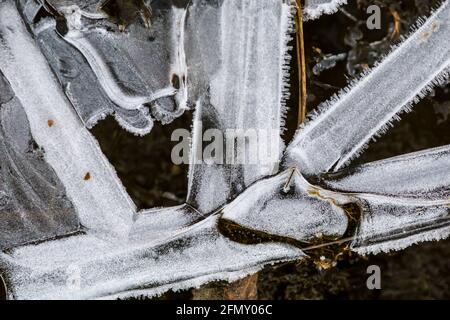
[(346, 123)]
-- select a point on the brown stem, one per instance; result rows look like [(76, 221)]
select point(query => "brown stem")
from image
[(301, 63)]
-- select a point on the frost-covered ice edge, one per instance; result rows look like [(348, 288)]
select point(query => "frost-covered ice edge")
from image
[(114, 252), (315, 8), (41, 270)]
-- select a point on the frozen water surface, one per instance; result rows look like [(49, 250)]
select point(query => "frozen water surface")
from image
[(238, 60), (315, 8), (229, 60), (287, 205), (104, 71), (333, 137), (72, 152), (196, 256)]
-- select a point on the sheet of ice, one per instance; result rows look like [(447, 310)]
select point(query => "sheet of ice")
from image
[(152, 60), (95, 269), (238, 57), (88, 6), (315, 8), (247, 68), (80, 84), (99, 199), (222, 102), (288, 206), (6, 93), (404, 200), (33, 202), (393, 223), (112, 256), (424, 175), (333, 137)]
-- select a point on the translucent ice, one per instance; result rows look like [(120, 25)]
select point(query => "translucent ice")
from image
[(424, 174), (238, 61), (101, 269), (100, 202), (104, 71), (404, 199), (121, 252), (393, 223), (401, 200)]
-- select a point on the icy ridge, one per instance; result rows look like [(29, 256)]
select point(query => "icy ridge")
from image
[(328, 142), (101, 202), (315, 8)]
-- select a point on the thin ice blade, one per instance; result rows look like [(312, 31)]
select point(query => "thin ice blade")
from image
[(91, 184), (196, 256), (348, 122)]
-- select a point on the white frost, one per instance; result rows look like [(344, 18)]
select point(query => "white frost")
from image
[(424, 174), (197, 256), (241, 84), (238, 57), (120, 251)]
